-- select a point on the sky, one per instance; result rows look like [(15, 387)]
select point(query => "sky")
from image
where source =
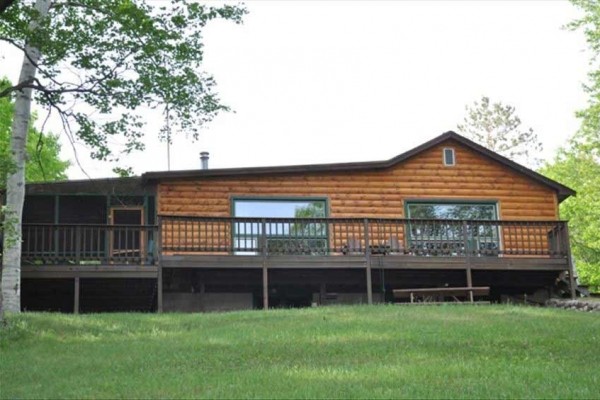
[(336, 81)]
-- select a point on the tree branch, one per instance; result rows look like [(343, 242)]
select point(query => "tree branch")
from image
[(19, 86), (4, 4), (35, 64), (80, 5)]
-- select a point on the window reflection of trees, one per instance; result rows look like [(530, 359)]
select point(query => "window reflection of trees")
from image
[(285, 236), (446, 226), (308, 237)]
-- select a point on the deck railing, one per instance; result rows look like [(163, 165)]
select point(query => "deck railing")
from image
[(67, 244), (354, 236)]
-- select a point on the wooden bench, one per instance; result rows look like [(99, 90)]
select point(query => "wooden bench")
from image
[(431, 294)]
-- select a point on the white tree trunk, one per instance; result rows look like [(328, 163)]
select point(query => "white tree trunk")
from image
[(15, 185)]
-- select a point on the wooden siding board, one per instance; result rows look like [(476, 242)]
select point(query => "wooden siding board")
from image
[(378, 194)]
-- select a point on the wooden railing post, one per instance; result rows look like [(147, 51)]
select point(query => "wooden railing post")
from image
[(55, 241), (159, 278), (158, 236), (78, 244), (368, 261), (265, 277), (465, 230), (76, 295), (567, 242)]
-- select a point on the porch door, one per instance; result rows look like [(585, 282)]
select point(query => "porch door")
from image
[(127, 240)]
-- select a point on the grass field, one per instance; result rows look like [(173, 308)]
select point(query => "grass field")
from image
[(330, 352)]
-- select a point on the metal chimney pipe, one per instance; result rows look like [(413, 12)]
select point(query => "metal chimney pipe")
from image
[(204, 159)]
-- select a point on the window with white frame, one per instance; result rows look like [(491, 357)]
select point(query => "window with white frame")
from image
[(449, 157)]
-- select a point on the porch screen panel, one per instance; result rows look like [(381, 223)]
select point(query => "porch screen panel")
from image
[(284, 236), (38, 240), (446, 237), (82, 209), (39, 209), (78, 237)]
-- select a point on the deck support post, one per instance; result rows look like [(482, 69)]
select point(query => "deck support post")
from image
[(469, 281), (369, 284), (572, 282), (368, 263), (202, 293), (468, 260), (265, 271), (159, 277), (76, 296), (159, 290), (322, 293), (265, 284)]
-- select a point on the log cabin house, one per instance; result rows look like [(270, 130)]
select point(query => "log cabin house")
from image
[(449, 213)]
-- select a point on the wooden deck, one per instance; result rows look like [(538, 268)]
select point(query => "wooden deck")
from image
[(270, 244), (89, 271), (353, 262)]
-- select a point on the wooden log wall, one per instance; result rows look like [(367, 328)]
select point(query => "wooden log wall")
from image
[(377, 194)]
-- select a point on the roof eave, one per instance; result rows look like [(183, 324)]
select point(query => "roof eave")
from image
[(291, 169), (562, 191)]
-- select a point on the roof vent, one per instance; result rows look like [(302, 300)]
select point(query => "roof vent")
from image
[(204, 160)]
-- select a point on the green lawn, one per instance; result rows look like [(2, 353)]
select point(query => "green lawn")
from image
[(341, 352)]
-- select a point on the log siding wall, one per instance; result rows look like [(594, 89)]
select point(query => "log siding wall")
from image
[(380, 194), (375, 194)]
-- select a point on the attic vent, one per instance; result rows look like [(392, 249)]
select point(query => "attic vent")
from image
[(449, 159)]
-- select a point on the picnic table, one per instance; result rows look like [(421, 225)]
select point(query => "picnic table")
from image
[(434, 294)]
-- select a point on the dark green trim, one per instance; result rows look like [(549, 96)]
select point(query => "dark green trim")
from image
[(233, 199), (155, 205), (145, 208), (79, 194), (107, 237), (56, 208), (475, 202), (56, 220), (108, 199), (446, 200)]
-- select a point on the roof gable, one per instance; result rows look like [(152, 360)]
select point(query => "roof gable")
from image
[(562, 191)]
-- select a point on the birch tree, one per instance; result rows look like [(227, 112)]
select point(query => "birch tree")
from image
[(96, 64), (43, 149)]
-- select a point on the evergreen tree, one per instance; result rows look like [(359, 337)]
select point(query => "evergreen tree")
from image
[(497, 127)]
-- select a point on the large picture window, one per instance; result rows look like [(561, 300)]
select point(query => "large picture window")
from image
[(441, 233), (283, 233), (486, 211)]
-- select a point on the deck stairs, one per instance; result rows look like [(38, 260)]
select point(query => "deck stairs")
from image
[(580, 290)]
